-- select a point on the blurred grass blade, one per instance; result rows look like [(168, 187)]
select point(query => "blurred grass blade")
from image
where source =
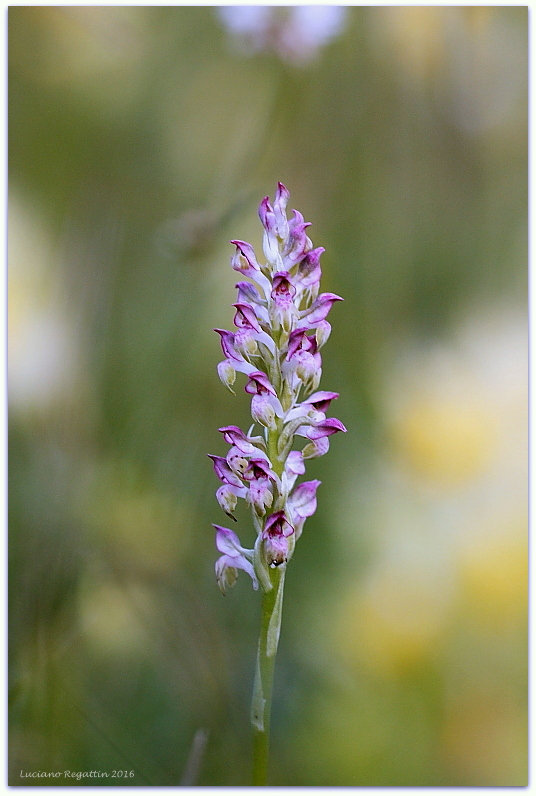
[(195, 758)]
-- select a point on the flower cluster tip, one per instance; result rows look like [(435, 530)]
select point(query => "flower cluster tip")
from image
[(280, 317)]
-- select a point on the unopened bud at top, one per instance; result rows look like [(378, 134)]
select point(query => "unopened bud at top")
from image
[(280, 203)]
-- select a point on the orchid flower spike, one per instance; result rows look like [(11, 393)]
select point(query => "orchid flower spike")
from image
[(280, 319)]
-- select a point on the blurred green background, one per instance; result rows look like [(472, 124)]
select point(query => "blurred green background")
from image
[(141, 140)]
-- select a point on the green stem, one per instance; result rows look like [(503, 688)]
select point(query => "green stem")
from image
[(272, 604), (261, 707), (273, 437)]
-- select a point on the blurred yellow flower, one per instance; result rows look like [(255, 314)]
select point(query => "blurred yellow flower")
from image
[(446, 439), (396, 622), (494, 576)]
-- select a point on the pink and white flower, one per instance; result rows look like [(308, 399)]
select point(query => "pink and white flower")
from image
[(280, 321)]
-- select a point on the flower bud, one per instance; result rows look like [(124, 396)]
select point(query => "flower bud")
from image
[(315, 381), (317, 448), (227, 374), (276, 550), (280, 203), (297, 243), (270, 242), (309, 271), (306, 367), (322, 332), (227, 499), (225, 574), (262, 411)]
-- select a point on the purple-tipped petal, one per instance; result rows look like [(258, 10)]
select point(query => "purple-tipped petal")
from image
[(323, 429), (319, 309), (270, 245), (266, 215), (282, 195), (245, 317), (228, 542), (235, 436), (295, 463), (223, 471), (299, 339), (297, 221), (248, 292), (309, 271), (277, 524), (294, 342), (259, 383), (245, 262), (244, 250), (297, 243), (280, 203), (321, 400), (227, 340)]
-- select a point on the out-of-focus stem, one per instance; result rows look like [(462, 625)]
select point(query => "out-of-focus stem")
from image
[(264, 676), (272, 603)]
